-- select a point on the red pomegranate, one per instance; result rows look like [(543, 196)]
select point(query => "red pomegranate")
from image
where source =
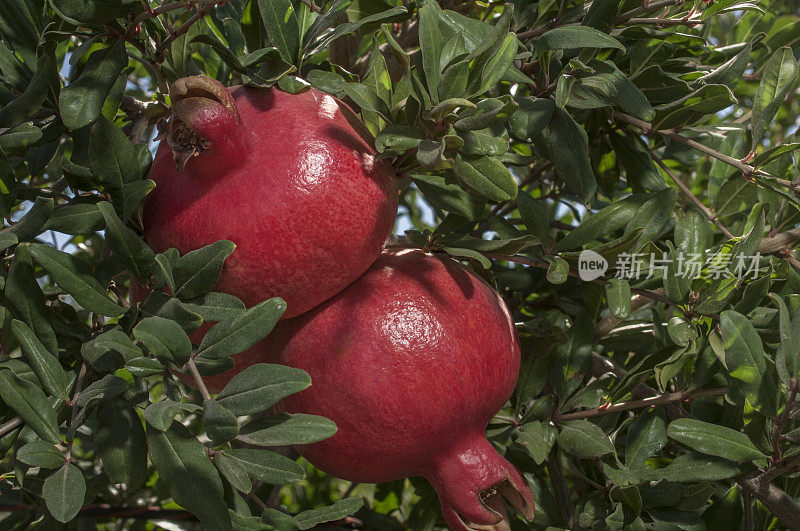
[(411, 361), (286, 177)]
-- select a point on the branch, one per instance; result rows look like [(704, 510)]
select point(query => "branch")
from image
[(11, 425), (647, 7), (659, 400), (780, 504), (198, 380)]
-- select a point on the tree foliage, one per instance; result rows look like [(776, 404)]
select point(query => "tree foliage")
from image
[(653, 141)]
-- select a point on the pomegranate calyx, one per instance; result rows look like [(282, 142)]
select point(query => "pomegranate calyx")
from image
[(197, 103)]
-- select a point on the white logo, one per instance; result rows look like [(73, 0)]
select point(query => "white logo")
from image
[(591, 265)]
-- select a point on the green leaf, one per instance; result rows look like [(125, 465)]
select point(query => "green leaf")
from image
[(215, 306), (75, 277), (287, 429), (569, 148), (681, 332), (280, 21), (777, 80), (79, 218), (46, 366), (194, 483), (129, 249), (337, 511), (498, 64), (120, 443), (63, 492), (240, 332), (647, 434), (348, 28), (221, 424), (24, 106), (197, 271), (161, 414), (571, 37), (584, 439), (29, 401), (24, 294), (744, 358), (109, 350), (487, 176), (730, 72), (32, 224), (142, 367), (81, 101), (714, 439), (233, 471), (108, 386), (694, 467), (41, 454), (706, 100), (267, 466), (260, 387), (618, 295), (538, 439), (531, 117), (165, 340), (397, 138), (558, 270), (324, 21), (449, 197), (787, 355), (366, 98), (430, 40)]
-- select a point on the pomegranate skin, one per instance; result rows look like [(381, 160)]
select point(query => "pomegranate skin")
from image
[(285, 177), (411, 361)]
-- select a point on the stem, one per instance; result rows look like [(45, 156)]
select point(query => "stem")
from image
[(647, 8), (685, 189), (563, 499), (646, 127), (10, 426), (780, 504), (162, 48), (660, 400), (198, 380), (664, 21)]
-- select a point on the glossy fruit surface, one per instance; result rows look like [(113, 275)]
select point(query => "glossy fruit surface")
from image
[(286, 177), (411, 361)]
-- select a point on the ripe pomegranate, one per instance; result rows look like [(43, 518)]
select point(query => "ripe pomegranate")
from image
[(411, 361), (286, 177)]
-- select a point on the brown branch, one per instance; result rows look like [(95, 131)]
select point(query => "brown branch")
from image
[(312, 6), (198, 380), (9, 426), (659, 400), (647, 7), (779, 242), (780, 504), (183, 28)]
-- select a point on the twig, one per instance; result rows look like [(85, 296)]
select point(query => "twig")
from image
[(183, 28), (198, 380), (664, 21), (660, 400), (685, 189), (647, 7), (312, 6), (646, 127), (779, 242), (10, 426)]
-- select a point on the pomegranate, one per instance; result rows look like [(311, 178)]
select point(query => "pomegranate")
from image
[(411, 361), (286, 177)]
